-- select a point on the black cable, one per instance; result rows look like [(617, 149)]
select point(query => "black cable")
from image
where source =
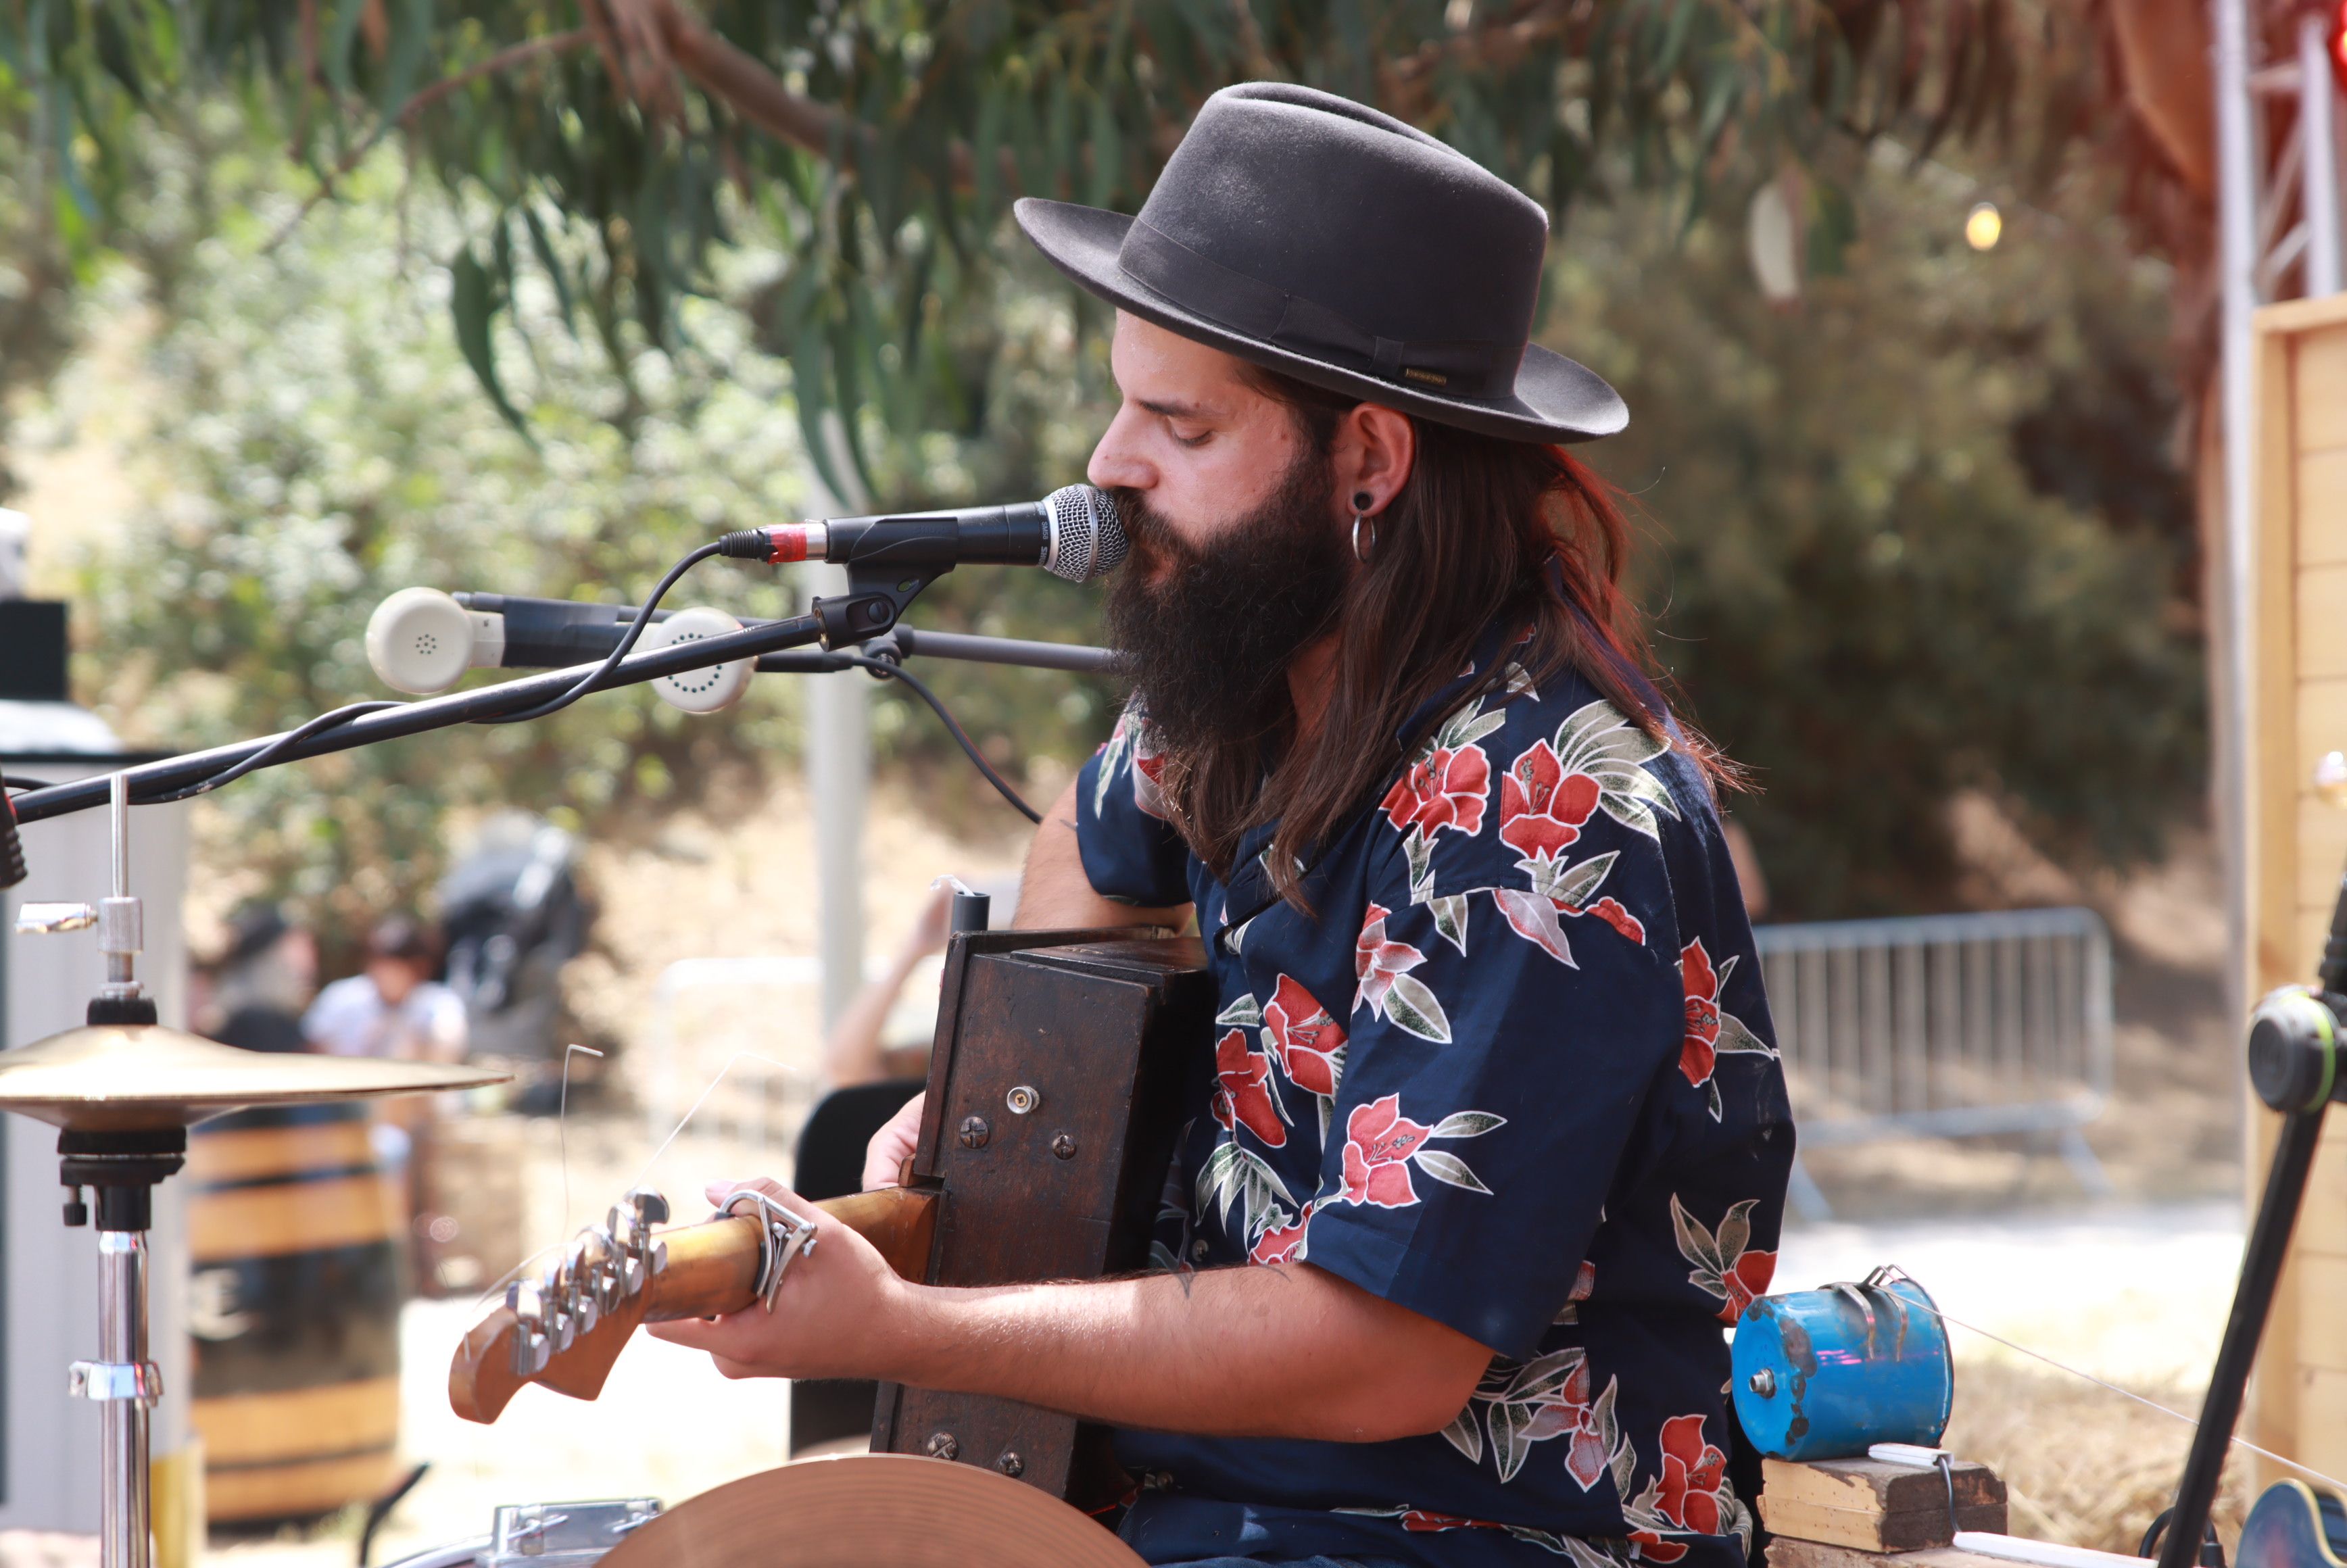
[(898, 673), (15, 781), (268, 754), (344, 715), (594, 678)]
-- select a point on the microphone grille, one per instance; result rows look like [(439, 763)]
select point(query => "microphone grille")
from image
[(1087, 535)]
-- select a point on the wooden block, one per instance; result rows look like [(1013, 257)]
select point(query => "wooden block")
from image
[(2321, 385), (2321, 507), (1786, 1553), (1871, 1486), (1868, 1531), (2321, 626)]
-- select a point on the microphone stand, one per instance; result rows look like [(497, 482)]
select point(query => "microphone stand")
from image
[(772, 643)]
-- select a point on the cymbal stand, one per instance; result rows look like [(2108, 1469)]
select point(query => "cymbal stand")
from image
[(123, 1168)]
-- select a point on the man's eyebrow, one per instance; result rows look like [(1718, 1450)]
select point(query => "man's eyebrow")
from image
[(1172, 410)]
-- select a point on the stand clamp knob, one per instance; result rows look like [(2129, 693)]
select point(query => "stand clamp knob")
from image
[(103, 1380), (2294, 1048)]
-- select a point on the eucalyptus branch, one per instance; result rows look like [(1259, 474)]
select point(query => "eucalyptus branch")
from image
[(504, 59)]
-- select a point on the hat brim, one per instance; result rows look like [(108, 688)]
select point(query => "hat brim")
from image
[(1555, 399)]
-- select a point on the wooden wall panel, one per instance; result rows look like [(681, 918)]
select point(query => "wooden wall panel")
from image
[(2322, 481), (2320, 383), (2321, 626), (2297, 846)]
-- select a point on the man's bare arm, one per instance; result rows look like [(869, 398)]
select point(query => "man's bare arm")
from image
[(1283, 1351), (1056, 894)]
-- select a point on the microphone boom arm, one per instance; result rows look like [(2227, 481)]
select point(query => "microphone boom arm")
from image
[(152, 779)]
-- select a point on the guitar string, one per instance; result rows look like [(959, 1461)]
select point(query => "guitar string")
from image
[(496, 1288), (562, 1123), (2130, 1393)]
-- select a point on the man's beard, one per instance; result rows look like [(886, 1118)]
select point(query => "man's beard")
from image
[(1207, 630)]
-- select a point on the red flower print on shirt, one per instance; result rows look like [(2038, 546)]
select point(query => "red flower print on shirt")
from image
[(1443, 788), (1691, 1494), (1701, 1047), (1245, 1095), (1309, 1044), (1378, 1142), (1542, 807), (1381, 1144), (1282, 1243), (1725, 1264), (1611, 911), (1711, 1031), (1386, 987)]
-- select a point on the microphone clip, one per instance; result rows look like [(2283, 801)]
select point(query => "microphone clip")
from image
[(876, 596)]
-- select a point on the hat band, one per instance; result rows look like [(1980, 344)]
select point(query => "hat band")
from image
[(1270, 315)]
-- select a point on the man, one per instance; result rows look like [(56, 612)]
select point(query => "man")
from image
[(1495, 1143), (393, 1007)]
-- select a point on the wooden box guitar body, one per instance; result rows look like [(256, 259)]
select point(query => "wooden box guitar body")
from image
[(1062, 1061), (1057, 1074)]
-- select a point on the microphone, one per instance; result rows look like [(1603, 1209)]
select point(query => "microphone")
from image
[(1072, 533), (421, 641)]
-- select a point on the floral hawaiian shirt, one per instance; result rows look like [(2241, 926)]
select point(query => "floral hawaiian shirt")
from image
[(1517, 1076)]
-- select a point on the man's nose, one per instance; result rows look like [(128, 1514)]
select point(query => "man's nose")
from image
[(1116, 463)]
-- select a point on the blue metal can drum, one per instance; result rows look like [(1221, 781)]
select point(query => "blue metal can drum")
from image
[(1823, 1374)]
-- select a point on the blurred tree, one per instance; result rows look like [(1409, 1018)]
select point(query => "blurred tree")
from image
[(883, 141), (309, 439), (314, 441), (1924, 533)]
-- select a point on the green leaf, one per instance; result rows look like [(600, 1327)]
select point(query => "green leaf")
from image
[(473, 302)]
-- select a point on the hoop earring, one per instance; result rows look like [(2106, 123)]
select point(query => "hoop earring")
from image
[(1360, 550)]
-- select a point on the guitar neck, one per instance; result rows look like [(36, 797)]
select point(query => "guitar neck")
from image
[(703, 1270), (712, 1267)]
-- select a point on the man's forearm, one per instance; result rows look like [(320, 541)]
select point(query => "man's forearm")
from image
[(1282, 1351)]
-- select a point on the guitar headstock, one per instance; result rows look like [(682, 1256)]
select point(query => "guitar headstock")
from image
[(566, 1328)]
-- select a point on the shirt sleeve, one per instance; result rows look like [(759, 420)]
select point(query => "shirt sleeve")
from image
[(1501, 1052), (1131, 852)]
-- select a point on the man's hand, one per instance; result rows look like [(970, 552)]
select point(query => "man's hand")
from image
[(894, 1145), (839, 1306)]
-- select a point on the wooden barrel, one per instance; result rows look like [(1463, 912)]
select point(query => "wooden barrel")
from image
[(296, 1275)]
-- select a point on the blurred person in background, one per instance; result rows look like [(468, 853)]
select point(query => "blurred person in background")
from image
[(856, 1050), (261, 982), (393, 1007)]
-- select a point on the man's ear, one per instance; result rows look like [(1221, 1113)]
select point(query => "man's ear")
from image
[(1375, 450)]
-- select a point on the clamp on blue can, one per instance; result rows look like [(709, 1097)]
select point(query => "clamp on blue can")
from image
[(1826, 1374)]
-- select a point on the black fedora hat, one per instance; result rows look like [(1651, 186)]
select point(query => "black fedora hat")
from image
[(1313, 236)]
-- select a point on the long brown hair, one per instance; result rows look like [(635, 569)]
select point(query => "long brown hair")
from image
[(1469, 541)]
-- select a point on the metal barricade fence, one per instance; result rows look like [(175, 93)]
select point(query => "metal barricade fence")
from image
[(1944, 1026)]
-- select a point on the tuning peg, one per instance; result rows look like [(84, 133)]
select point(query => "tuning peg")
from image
[(598, 1264), (648, 1204), (532, 1346), (561, 1322), (584, 1296)]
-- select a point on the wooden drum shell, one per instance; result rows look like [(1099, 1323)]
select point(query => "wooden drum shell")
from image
[(297, 1273)]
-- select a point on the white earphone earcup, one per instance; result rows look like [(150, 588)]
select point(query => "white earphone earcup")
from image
[(698, 691), (420, 641)]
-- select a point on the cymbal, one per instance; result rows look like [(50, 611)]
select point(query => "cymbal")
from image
[(873, 1510), (119, 1078)]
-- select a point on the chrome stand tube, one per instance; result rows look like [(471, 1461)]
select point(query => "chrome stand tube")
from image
[(124, 1384)]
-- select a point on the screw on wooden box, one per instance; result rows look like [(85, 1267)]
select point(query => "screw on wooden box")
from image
[(1870, 1506)]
